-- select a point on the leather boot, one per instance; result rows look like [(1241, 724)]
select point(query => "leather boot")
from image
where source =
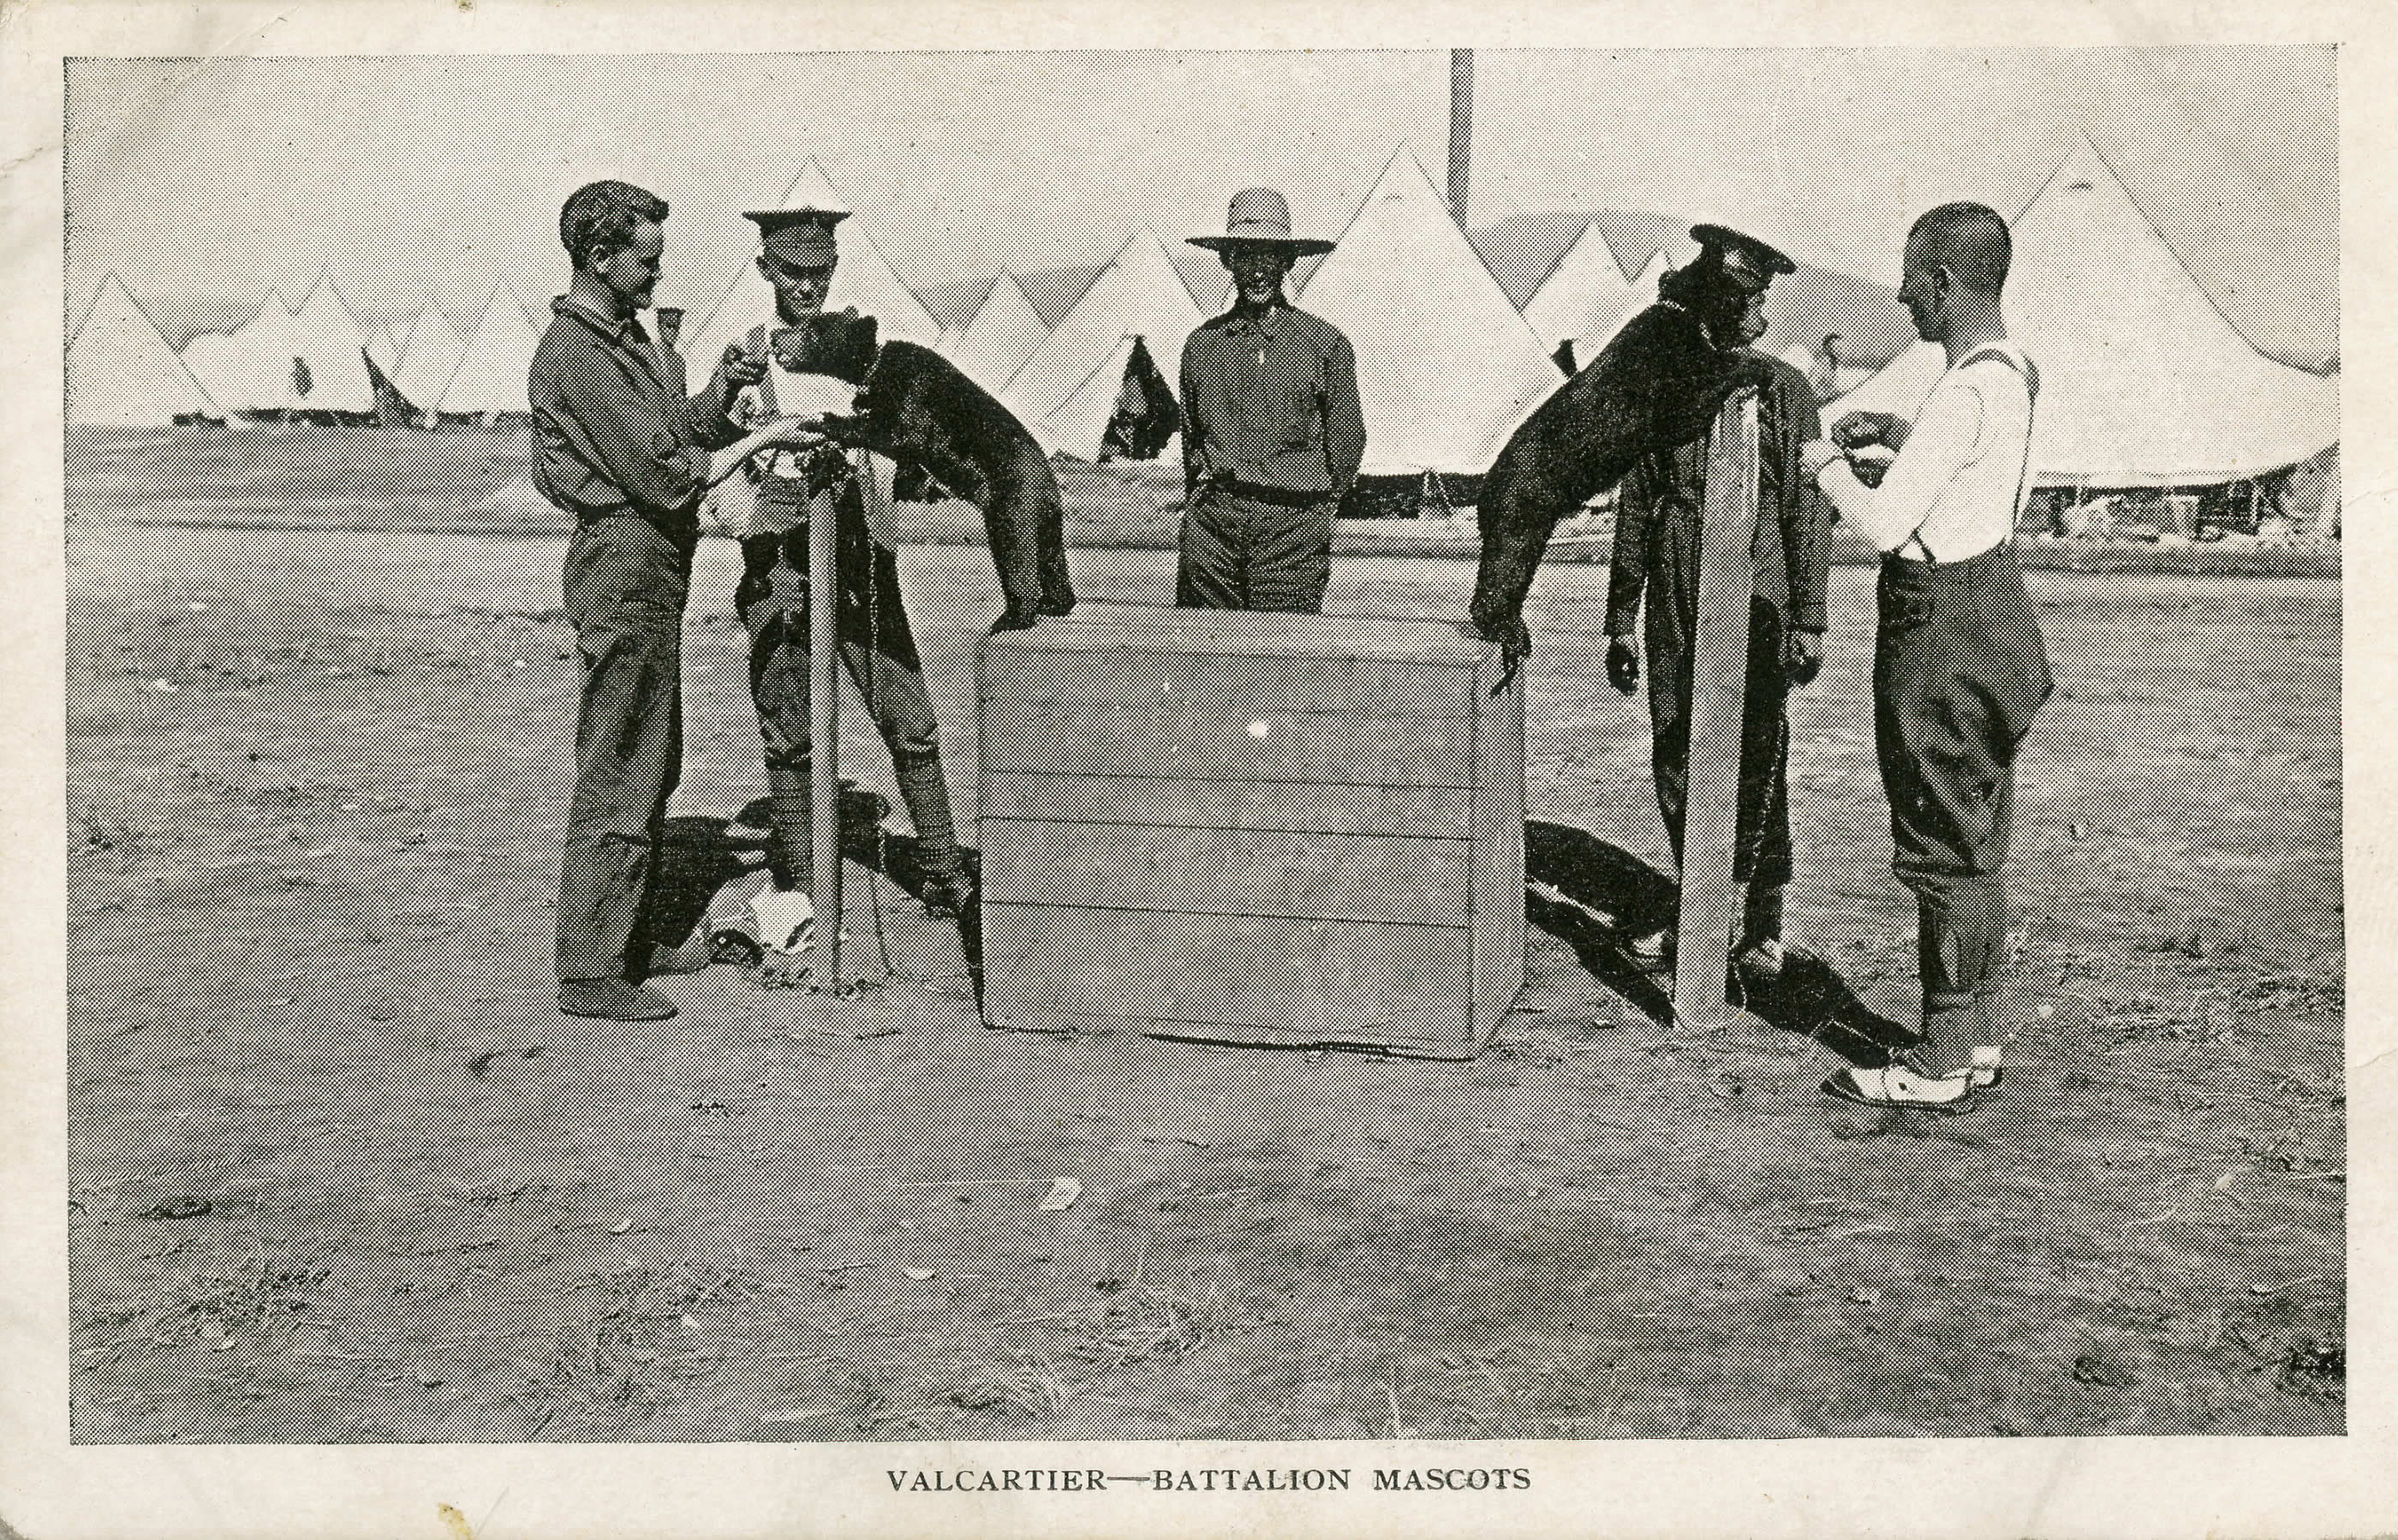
[(791, 855), (924, 787)]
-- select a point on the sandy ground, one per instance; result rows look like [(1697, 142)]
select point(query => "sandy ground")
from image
[(340, 1171)]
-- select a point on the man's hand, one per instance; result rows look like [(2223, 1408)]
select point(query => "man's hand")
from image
[(1802, 658), (793, 433), (1817, 453), (1623, 664), (737, 371), (1859, 428)]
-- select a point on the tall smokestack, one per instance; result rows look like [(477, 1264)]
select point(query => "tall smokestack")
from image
[(1460, 131)]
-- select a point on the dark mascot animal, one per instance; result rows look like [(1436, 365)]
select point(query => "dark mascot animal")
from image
[(918, 409), (1659, 384)]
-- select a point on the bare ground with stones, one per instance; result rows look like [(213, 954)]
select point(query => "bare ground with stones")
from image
[(340, 1172)]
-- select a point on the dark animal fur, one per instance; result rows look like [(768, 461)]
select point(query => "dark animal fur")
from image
[(918, 409), (1659, 384)]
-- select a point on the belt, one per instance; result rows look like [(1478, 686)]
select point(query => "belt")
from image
[(1286, 498), (1964, 568)]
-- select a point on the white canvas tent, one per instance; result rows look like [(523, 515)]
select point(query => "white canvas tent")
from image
[(2143, 382), (332, 343), (1446, 366), (249, 367), (1584, 295), (863, 279), (1643, 294), (428, 358), (1137, 294), (214, 359), (491, 372), (1005, 331), (385, 349), (1078, 425), (120, 372)]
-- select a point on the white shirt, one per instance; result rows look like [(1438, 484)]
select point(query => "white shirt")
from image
[(731, 505), (1954, 491)]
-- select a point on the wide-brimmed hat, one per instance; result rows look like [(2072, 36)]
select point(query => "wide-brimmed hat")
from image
[(1260, 217)]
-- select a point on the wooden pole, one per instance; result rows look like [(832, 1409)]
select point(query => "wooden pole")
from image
[(824, 737), (1460, 131), (1710, 903)]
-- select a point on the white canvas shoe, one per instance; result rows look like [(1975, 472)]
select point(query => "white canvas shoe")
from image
[(1894, 1087)]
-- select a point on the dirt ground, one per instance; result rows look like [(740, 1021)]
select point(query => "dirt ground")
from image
[(340, 1172)]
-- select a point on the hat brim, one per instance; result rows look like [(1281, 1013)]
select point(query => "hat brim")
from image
[(1295, 246), (1774, 263)]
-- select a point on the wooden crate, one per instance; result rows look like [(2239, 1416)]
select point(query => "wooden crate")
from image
[(1251, 828)]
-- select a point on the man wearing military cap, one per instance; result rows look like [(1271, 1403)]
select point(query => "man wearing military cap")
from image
[(1272, 432), (798, 254), (1655, 577)]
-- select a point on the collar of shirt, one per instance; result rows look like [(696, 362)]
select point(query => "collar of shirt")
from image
[(624, 329), (1266, 321)]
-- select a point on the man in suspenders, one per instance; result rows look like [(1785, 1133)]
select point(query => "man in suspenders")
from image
[(1960, 667)]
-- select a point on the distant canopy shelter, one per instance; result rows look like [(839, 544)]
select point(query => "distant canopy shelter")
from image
[(2145, 385), (1446, 367), (1146, 417)]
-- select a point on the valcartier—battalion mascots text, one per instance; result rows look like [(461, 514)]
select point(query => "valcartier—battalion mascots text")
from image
[(1658, 385)]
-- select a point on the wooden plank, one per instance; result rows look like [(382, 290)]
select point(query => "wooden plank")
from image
[(824, 737), (1388, 879), (1235, 976), (1247, 633), (1251, 686), (1441, 812), (1710, 900), (1498, 922), (1201, 742)]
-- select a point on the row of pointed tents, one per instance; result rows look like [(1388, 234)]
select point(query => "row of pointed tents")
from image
[(316, 359), (2146, 383)]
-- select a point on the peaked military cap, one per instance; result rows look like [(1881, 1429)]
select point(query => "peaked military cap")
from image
[(802, 235), (1747, 258)]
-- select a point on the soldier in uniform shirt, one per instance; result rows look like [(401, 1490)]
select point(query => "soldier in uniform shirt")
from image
[(1656, 570), (1272, 432), (878, 648)]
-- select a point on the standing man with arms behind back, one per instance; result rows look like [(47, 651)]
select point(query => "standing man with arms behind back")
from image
[(1959, 666), (616, 445), (1272, 432)]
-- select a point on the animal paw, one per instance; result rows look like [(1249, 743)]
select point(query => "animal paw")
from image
[(1509, 631), (1748, 371)]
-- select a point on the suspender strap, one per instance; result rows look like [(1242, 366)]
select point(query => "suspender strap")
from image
[(2010, 356), (765, 387)]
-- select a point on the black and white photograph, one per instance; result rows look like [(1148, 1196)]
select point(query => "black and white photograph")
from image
[(1312, 775)]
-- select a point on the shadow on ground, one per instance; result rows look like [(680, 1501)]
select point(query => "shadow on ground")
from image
[(1595, 898), (698, 856)]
